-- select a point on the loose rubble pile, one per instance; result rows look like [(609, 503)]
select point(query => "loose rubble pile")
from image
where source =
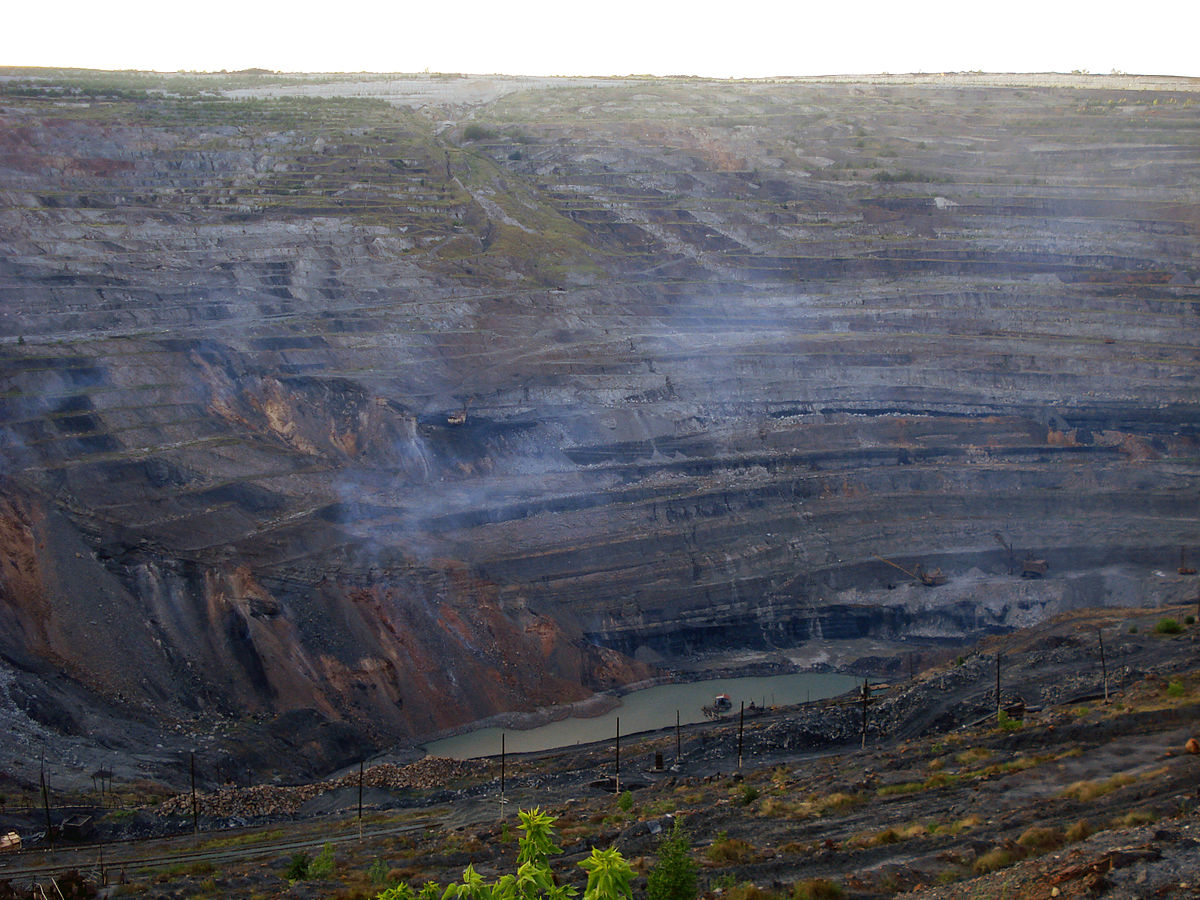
[(279, 800)]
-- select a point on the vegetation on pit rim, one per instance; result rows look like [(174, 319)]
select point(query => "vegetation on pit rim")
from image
[(609, 876)]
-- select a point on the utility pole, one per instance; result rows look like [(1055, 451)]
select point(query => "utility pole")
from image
[(998, 687), (676, 735), (46, 799), (1103, 663), (618, 778), (503, 761), (195, 808), (361, 766), (866, 699), (741, 725)]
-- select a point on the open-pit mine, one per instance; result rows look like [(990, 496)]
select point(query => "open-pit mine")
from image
[(337, 412)]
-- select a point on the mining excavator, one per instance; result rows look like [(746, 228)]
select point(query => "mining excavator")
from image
[(1034, 568), (1184, 568), (1030, 566), (929, 579)]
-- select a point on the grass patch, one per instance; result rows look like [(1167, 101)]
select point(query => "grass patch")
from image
[(1134, 818), (834, 802), (817, 889), (1086, 791), (955, 828), (973, 755), (748, 891), (901, 789), (1080, 831), (993, 860), (891, 835), (242, 840), (727, 851), (1040, 839)]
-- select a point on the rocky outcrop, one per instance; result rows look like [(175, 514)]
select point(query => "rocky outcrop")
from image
[(412, 413)]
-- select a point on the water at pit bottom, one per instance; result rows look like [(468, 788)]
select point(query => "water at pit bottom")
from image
[(647, 710)]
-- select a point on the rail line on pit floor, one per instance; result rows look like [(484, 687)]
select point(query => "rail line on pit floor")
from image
[(98, 860)]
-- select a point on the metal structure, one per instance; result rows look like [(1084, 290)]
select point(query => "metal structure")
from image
[(1034, 568), (1031, 567), (930, 579), (1184, 568)]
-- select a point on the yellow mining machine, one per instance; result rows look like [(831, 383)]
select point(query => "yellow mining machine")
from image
[(1031, 567), (1184, 568), (929, 579)]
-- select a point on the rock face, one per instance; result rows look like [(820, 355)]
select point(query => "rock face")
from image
[(413, 409)]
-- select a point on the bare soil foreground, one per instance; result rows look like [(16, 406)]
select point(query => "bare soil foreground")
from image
[(1080, 797)]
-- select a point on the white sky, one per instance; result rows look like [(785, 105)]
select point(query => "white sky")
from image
[(753, 38)]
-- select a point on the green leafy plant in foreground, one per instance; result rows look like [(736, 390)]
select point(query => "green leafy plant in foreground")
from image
[(609, 875)]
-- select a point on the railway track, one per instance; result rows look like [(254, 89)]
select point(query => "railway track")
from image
[(101, 862)]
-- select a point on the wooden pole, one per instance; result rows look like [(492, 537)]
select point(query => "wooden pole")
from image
[(195, 808), (46, 799), (618, 779), (361, 767), (1103, 663), (741, 724), (677, 741), (997, 687), (866, 698), (503, 766)]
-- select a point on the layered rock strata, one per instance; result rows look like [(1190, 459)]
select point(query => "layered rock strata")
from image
[(414, 409)]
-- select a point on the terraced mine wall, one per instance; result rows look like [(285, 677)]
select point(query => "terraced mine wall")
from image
[(386, 404)]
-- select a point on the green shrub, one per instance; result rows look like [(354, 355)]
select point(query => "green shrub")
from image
[(297, 869), (674, 875), (817, 889), (1190, 620), (1007, 722), (322, 865), (625, 801), (1176, 689), (476, 132), (1168, 626), (377, 872), (749, 794)]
